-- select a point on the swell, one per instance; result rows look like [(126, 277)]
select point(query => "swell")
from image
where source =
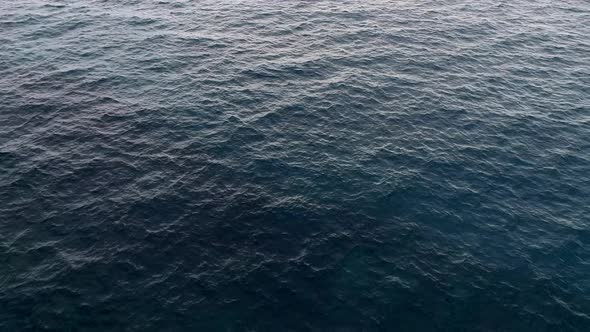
[(294, 166)]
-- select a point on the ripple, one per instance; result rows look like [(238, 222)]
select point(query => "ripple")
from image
[(295, 165)]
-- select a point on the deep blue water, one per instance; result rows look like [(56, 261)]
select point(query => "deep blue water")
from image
[(295, 165)]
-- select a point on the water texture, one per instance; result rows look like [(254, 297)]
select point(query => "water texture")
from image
[(295, 165)]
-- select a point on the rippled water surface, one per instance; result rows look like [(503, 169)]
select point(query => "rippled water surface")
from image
[(295, 165)]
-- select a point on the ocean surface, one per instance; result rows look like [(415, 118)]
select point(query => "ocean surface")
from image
[(295, 165)]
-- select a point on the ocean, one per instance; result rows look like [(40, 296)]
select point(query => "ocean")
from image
[(293, 165)]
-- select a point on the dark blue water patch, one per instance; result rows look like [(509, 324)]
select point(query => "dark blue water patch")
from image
[(169, 165)]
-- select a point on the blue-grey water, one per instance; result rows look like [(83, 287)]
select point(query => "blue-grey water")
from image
[(295, 165)]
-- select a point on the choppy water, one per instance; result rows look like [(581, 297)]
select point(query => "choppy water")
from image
[(295, 165)]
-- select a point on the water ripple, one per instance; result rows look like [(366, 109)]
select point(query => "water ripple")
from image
[(295, 165)]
